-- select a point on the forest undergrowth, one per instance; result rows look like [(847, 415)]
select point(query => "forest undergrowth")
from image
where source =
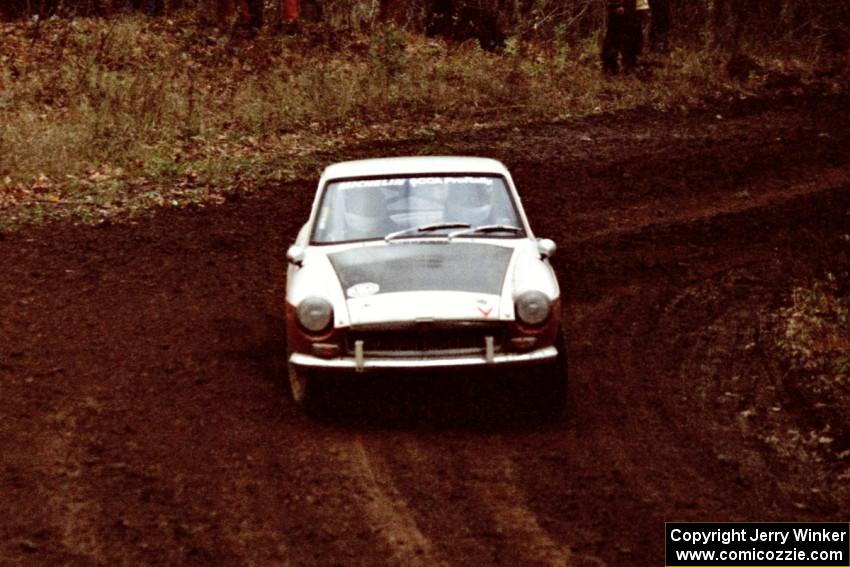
[(106, 118)]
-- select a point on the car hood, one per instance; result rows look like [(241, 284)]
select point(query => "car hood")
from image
[(422, 281), (421, 266)]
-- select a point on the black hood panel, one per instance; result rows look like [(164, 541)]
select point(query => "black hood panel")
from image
[(422, 266)]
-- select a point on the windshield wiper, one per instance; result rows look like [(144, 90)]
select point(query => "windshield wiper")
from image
[(486, 229), (426, 228)]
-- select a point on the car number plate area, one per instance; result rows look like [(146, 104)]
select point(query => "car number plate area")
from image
[(426, 342)]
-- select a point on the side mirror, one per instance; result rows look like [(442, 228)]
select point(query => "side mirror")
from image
[(546, 247), (295, 255)]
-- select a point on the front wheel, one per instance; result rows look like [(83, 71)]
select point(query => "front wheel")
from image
[(552, 382), (305, 389)]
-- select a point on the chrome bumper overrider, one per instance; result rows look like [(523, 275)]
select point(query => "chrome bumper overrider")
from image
[(366, 364)]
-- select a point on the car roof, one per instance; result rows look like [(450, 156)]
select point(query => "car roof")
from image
[(417, 165)]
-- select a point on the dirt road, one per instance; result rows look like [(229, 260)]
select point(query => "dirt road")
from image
[(144, 419)]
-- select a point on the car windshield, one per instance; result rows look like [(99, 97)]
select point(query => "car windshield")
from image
[(415, 207)]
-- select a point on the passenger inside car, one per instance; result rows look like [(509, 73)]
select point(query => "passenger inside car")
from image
[(472, 204)]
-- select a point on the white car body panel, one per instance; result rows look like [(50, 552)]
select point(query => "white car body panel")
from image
[(317, 279), (419, 306)]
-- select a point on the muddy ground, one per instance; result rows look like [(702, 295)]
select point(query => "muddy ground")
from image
[(144, 417)]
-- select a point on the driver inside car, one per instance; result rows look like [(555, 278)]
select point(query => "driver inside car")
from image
[(366, 213)]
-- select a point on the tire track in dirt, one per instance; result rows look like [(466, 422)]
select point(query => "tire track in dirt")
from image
[(748, 200), (385, 509), (469, 503), (335, 493), (498, 489), (430, 475), (250, 536), (621, 423), (72, 509)]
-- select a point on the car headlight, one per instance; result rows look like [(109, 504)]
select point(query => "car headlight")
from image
[(532, 307), (314, 314)]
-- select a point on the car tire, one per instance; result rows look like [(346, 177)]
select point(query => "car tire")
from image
[(552, 382), (305, 390)]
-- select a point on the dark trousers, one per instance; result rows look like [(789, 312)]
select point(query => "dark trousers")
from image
[(659, 30), (623, 36)]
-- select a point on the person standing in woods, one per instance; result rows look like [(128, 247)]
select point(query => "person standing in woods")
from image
[(623, 29)]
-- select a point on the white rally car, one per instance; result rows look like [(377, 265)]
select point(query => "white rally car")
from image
[(421, 263)]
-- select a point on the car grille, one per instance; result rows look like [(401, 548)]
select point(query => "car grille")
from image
[(426, 340)]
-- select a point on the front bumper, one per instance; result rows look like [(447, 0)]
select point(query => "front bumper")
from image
[(351, 364)]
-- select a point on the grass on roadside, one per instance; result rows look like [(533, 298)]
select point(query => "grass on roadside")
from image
[(813, 338), (106, 117), (815, 331)]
